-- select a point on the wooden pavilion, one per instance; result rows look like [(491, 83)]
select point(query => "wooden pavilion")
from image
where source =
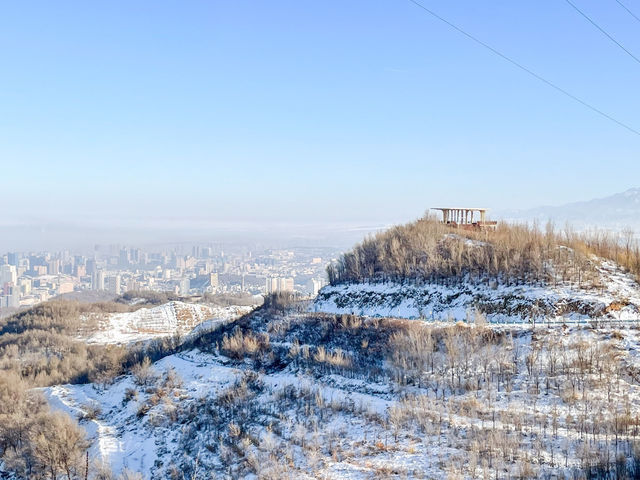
[(467, 218)]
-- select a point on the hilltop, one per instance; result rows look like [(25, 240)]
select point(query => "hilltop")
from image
[(517, 273)]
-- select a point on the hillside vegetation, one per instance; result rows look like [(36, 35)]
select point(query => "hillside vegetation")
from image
[(46, 346), (429, 251), (36, 443), (286, 394)]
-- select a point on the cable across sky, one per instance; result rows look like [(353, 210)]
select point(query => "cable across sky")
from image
[(628, 11), (602, 30), (525, 69)]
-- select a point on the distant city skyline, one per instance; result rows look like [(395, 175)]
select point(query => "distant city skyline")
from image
[(331, 113), (240, 268)]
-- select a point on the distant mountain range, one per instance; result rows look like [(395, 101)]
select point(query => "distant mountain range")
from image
[(616, 212)]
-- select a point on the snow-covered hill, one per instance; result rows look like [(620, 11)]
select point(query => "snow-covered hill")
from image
[(168, 319), (318, 396), (619, 298)]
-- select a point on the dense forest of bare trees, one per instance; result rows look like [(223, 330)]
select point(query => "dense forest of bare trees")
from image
[(427, 250)]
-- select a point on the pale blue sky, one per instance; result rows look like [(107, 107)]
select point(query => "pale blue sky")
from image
[(314, 111)]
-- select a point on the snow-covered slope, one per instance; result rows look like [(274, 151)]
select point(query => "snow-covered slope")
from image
[(168, 319), (148, 443), (501, 389), (619, 299)]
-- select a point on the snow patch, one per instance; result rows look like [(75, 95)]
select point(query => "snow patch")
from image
[(619, 299), (169, 319)]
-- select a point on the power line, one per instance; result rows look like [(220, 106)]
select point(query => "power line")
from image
[(603, 30), (628, 11), (525, 69)]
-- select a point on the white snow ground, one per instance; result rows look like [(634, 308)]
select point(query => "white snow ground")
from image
[(619, 299), (122, 440), (168, 319)]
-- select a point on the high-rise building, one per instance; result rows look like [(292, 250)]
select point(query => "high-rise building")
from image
[(81, 271), (124, 257), (11, 299), (98, 280), (179, 262), (23, 266), (132, 285), (285, 284), (313, 286), (271, 285), (115, 284), (25, 286), (53, 267), (39, 270), (184, 286), (214, 281), (8, 274), (91, 266), (13, 258), (278, 284)]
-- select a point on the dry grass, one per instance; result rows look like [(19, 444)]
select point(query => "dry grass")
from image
[(425, 250), (241, 344)]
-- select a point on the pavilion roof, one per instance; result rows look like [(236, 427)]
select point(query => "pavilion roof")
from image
[(460, 208)]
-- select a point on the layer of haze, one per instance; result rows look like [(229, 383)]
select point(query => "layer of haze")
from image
[(196, 116)]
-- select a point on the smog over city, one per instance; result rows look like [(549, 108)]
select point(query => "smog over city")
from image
[(332, 240)]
